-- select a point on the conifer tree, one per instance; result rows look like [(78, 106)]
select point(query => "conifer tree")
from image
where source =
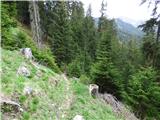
[(144, 93), (76, 12), (22, 12), (103, 71), (61, 35), (76, 20), (88, 45), (90, 33)]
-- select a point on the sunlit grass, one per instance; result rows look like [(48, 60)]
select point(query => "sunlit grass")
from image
[(49, 100)]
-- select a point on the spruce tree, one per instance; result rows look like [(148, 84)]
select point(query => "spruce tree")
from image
[(76, 20), (88, 42), (61, 34), (22, 12), (144, 94), (90, 33), (76, 12), (103, 72)]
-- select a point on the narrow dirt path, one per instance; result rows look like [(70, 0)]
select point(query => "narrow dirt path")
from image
[(69, 96)]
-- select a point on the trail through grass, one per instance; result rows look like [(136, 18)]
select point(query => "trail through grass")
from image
[(55, 97)]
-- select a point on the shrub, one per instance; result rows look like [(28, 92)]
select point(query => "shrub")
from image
[(45, 57), (106, 76), (17, 38), (144, 94), (85, 79), (74, 69), (14, 38), (8, 11)]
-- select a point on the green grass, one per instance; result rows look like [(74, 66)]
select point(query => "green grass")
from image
[(87, 106), (48, 100)]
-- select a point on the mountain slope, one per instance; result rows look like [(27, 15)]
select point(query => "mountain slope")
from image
[(53, 96), (127, 31)]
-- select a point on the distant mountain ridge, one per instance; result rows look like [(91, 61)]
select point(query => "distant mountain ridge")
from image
[(125, 31), (135, 23)]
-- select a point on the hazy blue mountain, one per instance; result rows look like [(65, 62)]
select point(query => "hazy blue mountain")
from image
[(126, 31), (135, 23), (96, 21)]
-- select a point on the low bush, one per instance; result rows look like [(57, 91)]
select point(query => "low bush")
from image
[(16, 38), (144, 94), (85, 79), (74, 68)]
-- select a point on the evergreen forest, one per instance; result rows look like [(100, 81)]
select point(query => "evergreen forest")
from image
[(68, 40)]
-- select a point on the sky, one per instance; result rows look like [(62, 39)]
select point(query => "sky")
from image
[(129, 10)]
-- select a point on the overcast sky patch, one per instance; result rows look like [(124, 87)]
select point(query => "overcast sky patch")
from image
[(130, 10)]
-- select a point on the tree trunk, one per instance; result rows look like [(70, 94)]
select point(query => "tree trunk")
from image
[(35, 22)]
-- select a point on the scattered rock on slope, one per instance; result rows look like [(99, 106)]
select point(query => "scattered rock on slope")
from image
[(78, 117), (22, 70), (9, 108), (118, 107), (93, 89), (4, 100), (28, 90), (27, 52)]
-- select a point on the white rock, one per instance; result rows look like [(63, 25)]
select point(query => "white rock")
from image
[(21, 110), (27, 52), (93, 89), (28, 90), (78, 117), (22, 70)]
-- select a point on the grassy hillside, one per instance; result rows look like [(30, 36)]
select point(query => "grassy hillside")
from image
[(54, 95)]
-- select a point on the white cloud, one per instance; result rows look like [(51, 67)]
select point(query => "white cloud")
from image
[(96, 6), (130, 9)]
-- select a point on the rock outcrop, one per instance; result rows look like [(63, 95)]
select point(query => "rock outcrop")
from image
[(93, 89), (27, 52), (6, 101)]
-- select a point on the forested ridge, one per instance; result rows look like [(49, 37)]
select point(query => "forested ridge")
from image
[(67, 40)]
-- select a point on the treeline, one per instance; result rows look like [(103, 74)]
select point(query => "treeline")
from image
[(129, 70)]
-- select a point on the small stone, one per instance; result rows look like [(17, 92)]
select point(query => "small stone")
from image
[(22, 70), (28, 90), (27, 52), (78, 117), (21, 110)]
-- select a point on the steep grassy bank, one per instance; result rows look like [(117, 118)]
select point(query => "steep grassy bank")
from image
[(54, 95)]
